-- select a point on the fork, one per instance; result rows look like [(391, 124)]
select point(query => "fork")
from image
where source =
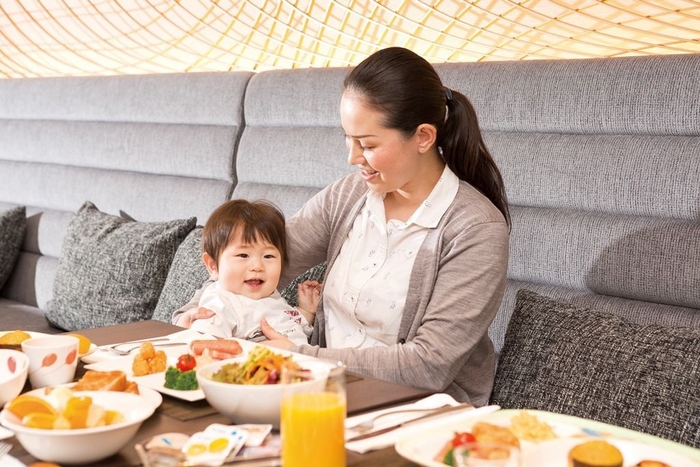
[(121, 352), (4, 448), (368, 424)]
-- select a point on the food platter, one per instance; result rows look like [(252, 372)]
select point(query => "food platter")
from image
[(422, 447), (156, 380), (33, 334)]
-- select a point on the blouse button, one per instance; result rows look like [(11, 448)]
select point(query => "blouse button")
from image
[(402, 341)]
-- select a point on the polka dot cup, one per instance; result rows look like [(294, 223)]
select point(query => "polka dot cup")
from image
[(52, 359), (13, 374)]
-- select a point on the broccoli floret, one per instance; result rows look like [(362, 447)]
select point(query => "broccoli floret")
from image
[(180, 380)]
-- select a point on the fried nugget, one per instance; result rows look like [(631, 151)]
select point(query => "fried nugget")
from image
[(140, 366), (487, 432), (147, 350), (159, 362)]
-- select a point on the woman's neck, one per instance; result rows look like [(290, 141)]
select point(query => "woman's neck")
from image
[(402, 203)]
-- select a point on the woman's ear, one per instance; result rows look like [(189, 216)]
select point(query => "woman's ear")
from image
[(425, 134), (211, 266)]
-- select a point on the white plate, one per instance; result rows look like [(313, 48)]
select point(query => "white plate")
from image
[(554, 453), (422, 447), (92, 348), (153, 396), (156, 380)]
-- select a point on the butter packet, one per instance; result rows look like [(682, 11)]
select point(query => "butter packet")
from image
[(215, 444), (256, 433)]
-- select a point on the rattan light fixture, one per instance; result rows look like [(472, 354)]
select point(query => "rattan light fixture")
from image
[(101, 37)]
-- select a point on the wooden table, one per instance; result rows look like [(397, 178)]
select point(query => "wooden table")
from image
[(363, 394)]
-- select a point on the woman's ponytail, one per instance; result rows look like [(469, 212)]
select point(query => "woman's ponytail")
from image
[(465, 152)]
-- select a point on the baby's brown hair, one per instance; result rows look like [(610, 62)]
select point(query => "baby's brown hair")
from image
[(250, 221)]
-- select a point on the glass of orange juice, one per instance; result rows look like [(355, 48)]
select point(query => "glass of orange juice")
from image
[(313, 417)]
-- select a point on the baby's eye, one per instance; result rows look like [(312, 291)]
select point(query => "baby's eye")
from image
[(270, 256), (242, 255)]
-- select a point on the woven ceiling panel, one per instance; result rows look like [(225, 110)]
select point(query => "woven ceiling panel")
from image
[(81, 37)]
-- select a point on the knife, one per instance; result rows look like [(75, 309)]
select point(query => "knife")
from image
[(435, 413)]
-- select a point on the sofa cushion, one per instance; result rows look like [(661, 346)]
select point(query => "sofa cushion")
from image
[(576, 361), (112, 269), (13, 225), (187, 274)]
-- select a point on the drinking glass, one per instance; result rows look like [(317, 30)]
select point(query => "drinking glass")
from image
[(313, 416), (486, 454)]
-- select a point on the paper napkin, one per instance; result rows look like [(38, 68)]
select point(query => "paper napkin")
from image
[(390, 438)]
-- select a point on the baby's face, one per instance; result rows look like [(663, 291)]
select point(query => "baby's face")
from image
[(250, 269)]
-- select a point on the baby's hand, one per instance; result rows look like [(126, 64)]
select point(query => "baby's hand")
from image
[(309, 293)]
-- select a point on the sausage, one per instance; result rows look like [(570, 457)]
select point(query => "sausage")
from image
[(223, 346)]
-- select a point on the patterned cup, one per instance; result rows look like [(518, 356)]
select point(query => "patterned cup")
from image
[(52, 359)]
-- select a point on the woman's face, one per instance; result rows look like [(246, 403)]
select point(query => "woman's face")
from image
[(387, 159)]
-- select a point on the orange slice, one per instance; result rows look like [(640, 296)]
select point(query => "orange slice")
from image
[(112, 416), (84, 343), (39, 420), (76, 411), (24, 405)]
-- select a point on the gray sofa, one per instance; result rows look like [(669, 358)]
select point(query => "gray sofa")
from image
[(601, 161)]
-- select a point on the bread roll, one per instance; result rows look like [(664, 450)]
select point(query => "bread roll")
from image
[(596, 453)]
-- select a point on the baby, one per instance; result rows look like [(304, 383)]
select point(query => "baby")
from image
[(244, 249)]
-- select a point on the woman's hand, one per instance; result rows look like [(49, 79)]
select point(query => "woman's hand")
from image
[(275, 339), (186, 319)]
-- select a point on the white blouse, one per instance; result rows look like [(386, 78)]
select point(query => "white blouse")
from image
[(365, 290)]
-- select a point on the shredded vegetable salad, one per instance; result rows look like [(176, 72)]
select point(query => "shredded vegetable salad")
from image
[(261, 367)]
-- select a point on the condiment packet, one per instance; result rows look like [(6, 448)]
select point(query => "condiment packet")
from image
[(256, 433), (213, 445)]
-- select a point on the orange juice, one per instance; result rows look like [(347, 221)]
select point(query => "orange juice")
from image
[(313, 430)]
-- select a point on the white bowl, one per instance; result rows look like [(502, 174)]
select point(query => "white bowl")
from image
[(84, 445), (253, 403), (14, 366)]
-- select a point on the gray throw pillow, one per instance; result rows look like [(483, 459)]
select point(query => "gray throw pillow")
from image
[(112, 269), (13, 225), (576, 361), (187, 274)]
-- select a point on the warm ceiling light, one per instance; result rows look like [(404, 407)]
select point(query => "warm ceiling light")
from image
[(100, 37)]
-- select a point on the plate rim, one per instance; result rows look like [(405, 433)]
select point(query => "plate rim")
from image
[(406, 445)]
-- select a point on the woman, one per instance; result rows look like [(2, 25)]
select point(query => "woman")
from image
[(416, 243)]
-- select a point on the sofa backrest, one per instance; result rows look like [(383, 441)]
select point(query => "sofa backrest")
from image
[(157, 147), (601, 161), (292, 145)]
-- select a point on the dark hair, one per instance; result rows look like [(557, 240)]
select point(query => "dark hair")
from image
[(250, 221), (407, 90)]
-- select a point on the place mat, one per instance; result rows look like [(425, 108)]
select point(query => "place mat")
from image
[(351, 378), (185, 410)]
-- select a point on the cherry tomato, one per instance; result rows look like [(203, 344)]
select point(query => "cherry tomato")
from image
[(186, 362), (462, 438)]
